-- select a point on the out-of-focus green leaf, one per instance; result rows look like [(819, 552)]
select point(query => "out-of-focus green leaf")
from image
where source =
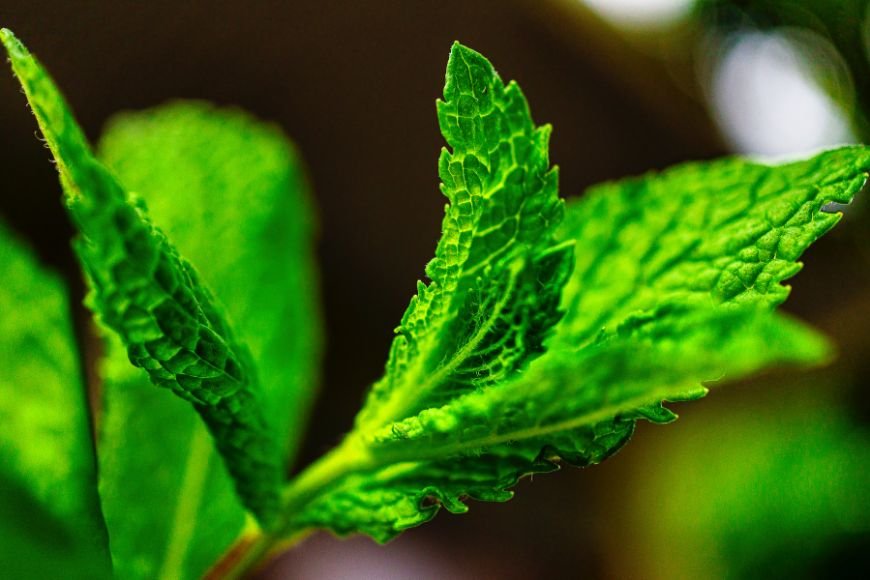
[(50, 521), (154, 300), (757, 493), (204, 169), (169, 503)]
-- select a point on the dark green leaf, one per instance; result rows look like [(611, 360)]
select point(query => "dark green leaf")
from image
[(777, 487)]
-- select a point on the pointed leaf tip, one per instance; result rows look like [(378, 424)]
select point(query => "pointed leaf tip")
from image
[(469, 72), (468, 54), (13, 46)]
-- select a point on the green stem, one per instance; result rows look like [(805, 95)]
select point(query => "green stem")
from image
[(252, 550), (401, 400), (350, 456)]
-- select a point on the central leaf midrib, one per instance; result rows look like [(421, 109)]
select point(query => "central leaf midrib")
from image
[(427, 452), (396, 408), (193, 483)]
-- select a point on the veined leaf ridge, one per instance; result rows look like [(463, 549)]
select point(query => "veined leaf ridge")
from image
[(576, 406), (203, 168), (498, 271), (727, 232)]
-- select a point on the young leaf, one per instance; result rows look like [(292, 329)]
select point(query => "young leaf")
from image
[(204, 169), (50, 521), (723, 232), (659, 259), (167, 319), (580, 406), (498, 271)]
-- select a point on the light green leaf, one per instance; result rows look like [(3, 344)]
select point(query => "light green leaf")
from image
[(153, 298), (676, 277), (204, 169), (579, 406), (648, 359), (50, 521), (722, 232), (498, 271)]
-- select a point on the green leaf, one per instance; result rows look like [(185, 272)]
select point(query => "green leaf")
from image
[(723, 232), (50, 521), (780, 487), (676, 276), (579, 406), (182, 513), (153, 298), (498, 271), (203, 169)]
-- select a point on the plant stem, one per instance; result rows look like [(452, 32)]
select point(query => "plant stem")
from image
[(350, 456), (253, 549)]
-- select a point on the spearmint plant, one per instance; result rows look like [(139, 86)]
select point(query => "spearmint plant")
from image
[(544, 332)]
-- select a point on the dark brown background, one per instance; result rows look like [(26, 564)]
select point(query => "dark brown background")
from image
[(354, 84)]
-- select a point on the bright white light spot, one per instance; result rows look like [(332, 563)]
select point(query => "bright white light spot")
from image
[(641, 13), (767, 101)]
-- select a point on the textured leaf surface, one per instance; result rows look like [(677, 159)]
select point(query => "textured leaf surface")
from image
[(645, 323), (181, 513), (203, 169), (50, 521), (666, 332), (724, 232), (143, 290), (580, 406), (497, 273)]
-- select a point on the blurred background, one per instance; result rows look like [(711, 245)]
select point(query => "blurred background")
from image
[(765, 478)]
